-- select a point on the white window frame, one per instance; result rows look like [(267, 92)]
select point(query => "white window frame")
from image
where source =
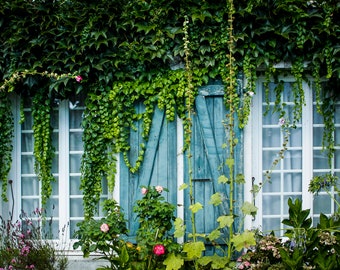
[(63, 174), (253, 152)]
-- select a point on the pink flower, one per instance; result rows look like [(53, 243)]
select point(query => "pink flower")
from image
[(104, 227), (144, 191), (281, 121), (79, 78), (159, 189), (159, 250), (25, 251)]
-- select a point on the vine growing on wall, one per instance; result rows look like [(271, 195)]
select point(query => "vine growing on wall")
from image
[(6, 135), (43, 149), (127, 49)]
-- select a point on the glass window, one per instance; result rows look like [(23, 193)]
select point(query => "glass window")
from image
[(302, 160), (65, 205)]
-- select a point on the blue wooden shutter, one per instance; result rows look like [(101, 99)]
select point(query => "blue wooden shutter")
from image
[(159, 166), (208, 157)]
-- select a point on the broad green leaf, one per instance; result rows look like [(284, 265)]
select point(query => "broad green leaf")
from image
[(193, 249), (217, 262), (216, 199), (173, 262), (243, 240), (183, 186), (222, 179), (215, 234), (196, 207), (249, 208), (179, 228), (225, 221)]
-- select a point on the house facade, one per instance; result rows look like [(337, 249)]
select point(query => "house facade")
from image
[(165, 163), (113, 76)]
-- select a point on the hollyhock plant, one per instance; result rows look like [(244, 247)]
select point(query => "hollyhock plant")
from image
[(159, 249), (104, 228)]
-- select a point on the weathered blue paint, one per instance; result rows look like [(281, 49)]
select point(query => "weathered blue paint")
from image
[(208, 158), (159, 166)]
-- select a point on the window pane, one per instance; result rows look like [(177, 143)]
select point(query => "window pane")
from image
[(271, 137), (321, 204), (320, 160), (292, 159), (271, 205), (76, 143), (27, 164), (317, 136), (271, 118), (76, 117), (269, 224), (27, 142), (274, 185), (29, 186), (76, 209), (75, 162), (268, 158), (74, 185), (292, 182)]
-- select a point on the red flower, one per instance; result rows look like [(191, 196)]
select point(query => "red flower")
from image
[(159, 250)]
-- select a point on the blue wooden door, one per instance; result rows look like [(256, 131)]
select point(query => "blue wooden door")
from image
[(209, 157), (159, 166)]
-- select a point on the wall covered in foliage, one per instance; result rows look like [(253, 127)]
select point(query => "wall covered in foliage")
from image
[(128, 51)]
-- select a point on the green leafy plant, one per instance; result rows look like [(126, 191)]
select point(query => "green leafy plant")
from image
[(6, 146), (154, 238), (104, 236), (306, 247)]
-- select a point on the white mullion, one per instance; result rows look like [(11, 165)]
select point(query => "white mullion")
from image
[(15, 171), (63, 169), (307, 148), (257, 170), (116, 190), (180, 171)]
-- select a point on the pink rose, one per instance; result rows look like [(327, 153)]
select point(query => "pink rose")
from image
[(144, 191), (159, 189), (159, 250), (79, 78), (104, 227)]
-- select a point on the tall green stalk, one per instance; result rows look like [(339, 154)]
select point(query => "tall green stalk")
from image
[(188, 120), (232, 102)]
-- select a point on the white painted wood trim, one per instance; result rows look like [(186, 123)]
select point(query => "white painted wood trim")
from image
[(180, 171)]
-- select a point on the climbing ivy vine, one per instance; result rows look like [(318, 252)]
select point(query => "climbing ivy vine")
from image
[(132, 51)]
